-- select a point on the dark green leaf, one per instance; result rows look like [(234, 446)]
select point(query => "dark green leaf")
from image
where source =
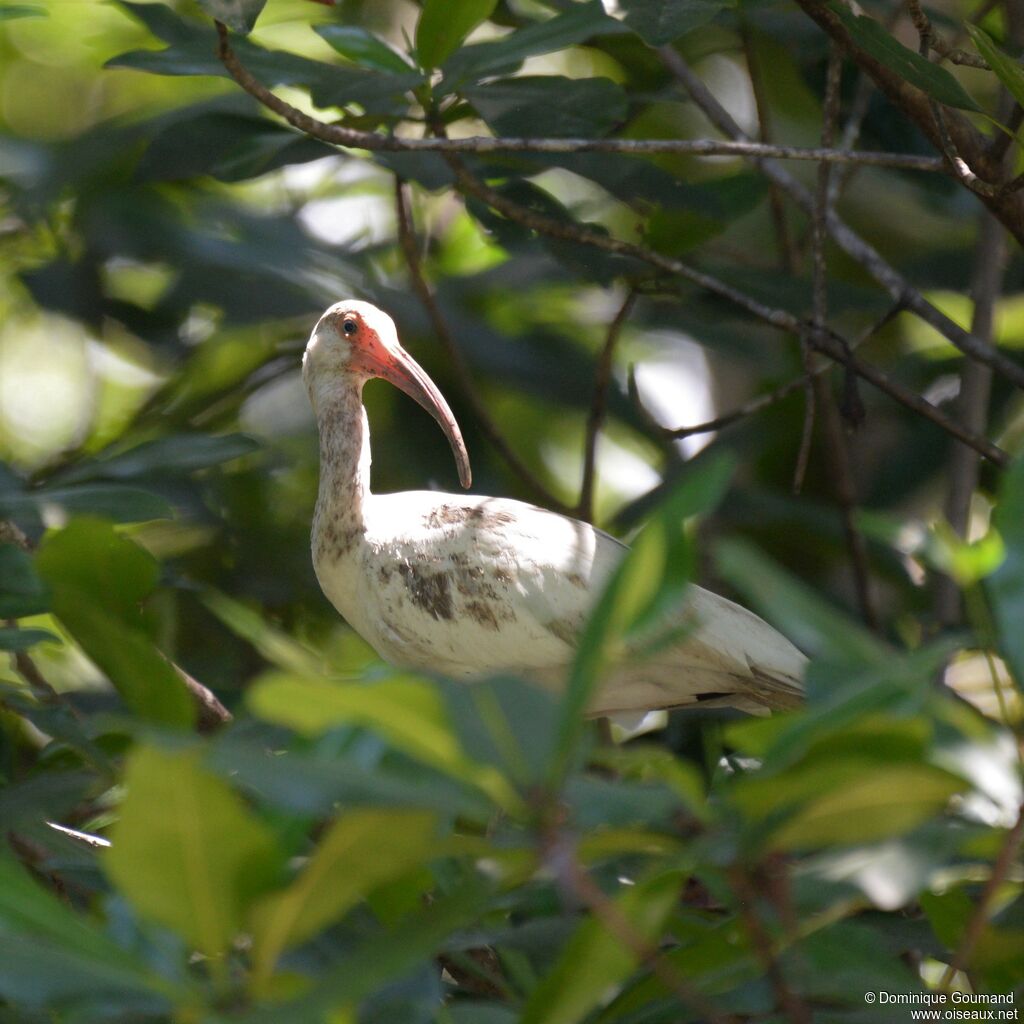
[(550, 105), (239, 15), (658, 22), (186, 851), (21, 639), (108, 501), (22, 592), (875, 39), (8, 12), (444, 24), (1007, 70), (363, 47), (500, 56)]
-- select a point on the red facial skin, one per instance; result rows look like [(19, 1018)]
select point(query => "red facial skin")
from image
[(373, 356)]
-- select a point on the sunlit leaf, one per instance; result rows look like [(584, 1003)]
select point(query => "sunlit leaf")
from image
[(444, 24), (355, 855), (1008, 71), (363, 47), (185, 850), (21, 639)]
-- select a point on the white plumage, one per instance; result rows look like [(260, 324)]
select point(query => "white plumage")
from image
[(468, 586)]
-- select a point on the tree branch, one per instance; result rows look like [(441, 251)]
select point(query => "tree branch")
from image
[(352, 138), (831, 344), (598, 407), (847, 239), (966, 141), (407, 239)]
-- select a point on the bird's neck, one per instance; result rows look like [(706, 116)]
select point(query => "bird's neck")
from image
[(344, 460)]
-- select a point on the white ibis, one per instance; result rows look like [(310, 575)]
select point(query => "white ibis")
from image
[(468, 586)]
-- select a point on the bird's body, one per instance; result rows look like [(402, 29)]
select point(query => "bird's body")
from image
[(468, 586)]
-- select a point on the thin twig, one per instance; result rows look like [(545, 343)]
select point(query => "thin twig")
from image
[(598, 408), (788, 256), (979, 919), (577, 881), (407, 239), (831, 344), (758, 402), (847, 239), (933, 41), (787, 1001), (352, 138)]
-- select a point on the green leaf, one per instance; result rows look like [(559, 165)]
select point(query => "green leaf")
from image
[(92, 556), (879, 805), (238, 15), (875, 39), (186, 851), (652, 576), (444, 24), (1007, 70), (361, 46), (358, 853), (814, 626), (21, 639), (1005, 587), (50, 952), (98, 579), (181, 453), (658, 22), (500, 56), (22, 591), (597, 958), (107, 501), (408, 713), (550, 105)]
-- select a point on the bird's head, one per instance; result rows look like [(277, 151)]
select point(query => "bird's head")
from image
[(355, 341)]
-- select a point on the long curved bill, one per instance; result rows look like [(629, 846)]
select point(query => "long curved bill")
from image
[(405, 373)]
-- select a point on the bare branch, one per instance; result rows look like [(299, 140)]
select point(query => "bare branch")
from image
[(407, 239), (585, 508), (979, 919), (352, 138), (847, 239), (933, 41), (832, 345)]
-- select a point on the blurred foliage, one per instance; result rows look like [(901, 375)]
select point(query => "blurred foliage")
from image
[(364, 846)]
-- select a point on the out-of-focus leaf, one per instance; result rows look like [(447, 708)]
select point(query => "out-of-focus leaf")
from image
[(804, 617), (179, 453), (658, 22), (1008, 71), (239, 15), (408, 713), (652, 576), (357, 854), (550, 105), (21, 639), (1005, 586), (22, 591), (596, 958), (8, 12), (185, 850), (108, 501), (98, 579), (92, 557), (875, 39), (363, 47), (500, 56), (877, 806), (50, 952), (444, 24)]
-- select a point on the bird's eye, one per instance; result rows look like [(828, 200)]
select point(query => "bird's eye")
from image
[(350, 327)]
